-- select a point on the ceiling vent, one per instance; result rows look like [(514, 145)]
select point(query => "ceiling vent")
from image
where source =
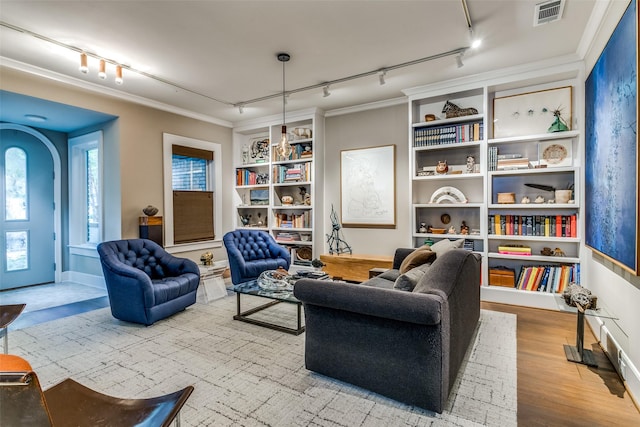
[(548, 11)]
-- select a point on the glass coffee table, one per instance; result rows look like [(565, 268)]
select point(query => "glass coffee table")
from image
[(275, 297)]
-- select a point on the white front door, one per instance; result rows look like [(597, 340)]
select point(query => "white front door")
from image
[(27, 247)]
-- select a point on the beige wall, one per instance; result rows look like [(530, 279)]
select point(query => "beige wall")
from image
[(364, 129), (140, 144)]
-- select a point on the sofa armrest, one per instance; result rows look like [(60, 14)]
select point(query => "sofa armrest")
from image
[(424, 309)]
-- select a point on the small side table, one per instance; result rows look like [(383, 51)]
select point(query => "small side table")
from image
[(212, 285), (577, 353)]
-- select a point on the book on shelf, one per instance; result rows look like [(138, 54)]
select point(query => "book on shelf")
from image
[(448, 134)]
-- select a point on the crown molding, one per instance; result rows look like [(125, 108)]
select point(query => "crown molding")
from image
[(61, 78), (368, 106)]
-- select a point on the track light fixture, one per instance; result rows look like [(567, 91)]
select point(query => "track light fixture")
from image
[(459, 61), (381, 77), (241, 108), (102, 73), (325, 91), (119, 80), (84, 68)]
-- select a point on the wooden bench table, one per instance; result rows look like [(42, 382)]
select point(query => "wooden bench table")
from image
[(354, 267)]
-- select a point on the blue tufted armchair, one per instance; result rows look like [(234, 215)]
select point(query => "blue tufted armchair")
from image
[(251, 252), (144, 282)]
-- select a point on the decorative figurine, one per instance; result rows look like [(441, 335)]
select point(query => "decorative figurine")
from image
[(423, 228), (539, 199), (452, 230), (442, 167), (206, 258), (464, 228), (525, 200), (244, 219)]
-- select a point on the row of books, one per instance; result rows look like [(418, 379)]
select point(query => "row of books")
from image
[(534, 225), (298, 151), (247, 177), (302, 220), (437, 135), (292, 173), (548, 278)]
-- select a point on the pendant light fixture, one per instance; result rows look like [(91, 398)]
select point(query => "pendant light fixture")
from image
[(284, 148)]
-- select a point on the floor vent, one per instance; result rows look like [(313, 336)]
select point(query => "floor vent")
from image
[(548, 11)]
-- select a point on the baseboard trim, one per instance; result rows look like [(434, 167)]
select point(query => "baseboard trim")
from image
[(84, 278), (616, 354)]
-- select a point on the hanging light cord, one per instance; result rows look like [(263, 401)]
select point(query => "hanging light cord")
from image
[(284, 116)]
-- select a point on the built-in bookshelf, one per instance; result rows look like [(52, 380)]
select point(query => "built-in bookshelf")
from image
[(276, 194), (520, 211)]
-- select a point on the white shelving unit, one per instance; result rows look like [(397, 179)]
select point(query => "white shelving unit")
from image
[(482, 186), (454, 141), (285, 204)]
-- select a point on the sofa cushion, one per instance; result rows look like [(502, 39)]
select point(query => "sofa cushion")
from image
[(409, 280), (446, 245), (418, 257), (391, 274)]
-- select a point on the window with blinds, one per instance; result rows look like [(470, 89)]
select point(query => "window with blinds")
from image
[(193, 199)]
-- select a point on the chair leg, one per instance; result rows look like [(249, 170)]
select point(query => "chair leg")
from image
[(6, 340), (178, 420)]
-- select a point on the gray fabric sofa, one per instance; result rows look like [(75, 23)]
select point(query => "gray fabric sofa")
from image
[(404, 345)]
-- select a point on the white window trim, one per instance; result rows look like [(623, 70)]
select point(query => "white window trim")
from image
[(168, 140), (78, 147)]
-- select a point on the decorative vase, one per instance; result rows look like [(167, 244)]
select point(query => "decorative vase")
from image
[(150, 210)]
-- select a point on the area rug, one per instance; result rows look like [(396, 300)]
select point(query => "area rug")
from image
[(247, 375)]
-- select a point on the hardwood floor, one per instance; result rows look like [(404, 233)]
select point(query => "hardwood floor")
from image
[(555, 392)]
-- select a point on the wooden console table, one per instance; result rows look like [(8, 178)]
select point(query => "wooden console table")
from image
[(354, 267)]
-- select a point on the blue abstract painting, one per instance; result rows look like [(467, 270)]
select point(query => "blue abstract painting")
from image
[(611, 163)]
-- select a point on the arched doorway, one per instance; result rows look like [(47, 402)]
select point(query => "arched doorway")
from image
[(30, 204)]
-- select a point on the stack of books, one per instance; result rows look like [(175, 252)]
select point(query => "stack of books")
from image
[(512, 162), (514, 250)]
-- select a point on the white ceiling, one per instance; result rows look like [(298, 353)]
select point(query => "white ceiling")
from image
[(226, 50)]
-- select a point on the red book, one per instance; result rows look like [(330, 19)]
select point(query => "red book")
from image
[(558, 225), (574, 226)]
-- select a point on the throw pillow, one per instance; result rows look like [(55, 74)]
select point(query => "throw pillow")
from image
[(445, 245), (418, 257), (409, 280)]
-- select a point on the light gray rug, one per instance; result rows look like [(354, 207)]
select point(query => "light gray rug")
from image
[(247, 375)]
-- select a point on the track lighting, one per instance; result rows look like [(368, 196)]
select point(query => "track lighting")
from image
[(103, 69), (459, 61), (83, 63), (119, 80), (381, 77), (325, 91), (241, 108)]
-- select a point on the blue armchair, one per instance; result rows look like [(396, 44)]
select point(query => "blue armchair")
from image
[(144, 282), (251, 252)]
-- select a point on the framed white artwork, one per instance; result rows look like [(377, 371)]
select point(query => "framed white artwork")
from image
[(367, 187)]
